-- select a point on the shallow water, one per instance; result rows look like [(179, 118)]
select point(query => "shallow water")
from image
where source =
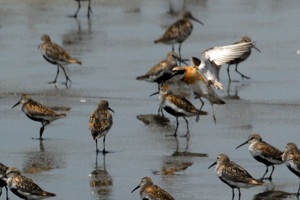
[(115, 46)]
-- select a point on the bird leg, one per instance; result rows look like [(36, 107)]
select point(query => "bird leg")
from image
[(270, 177), (213, 111), (198, 115), (79, 6), (243, 76), (57, 72), (228, 73), (104, 151), (265, 173), (187, 127), (67, 78), (177, 124), (239, 193), (232, 193), (89, 9)]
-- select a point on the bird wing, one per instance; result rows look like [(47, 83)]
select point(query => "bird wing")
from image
[(25, 186), (54, 52), (269, 152), (36, 109), (224, 54), (154, 192), (236, 173)]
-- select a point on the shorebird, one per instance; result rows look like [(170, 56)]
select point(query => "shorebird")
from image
[(178, 107), (3, 170), (191, 76), (161, 71), (100, 123), (38, 112), (79, 6), (263, 152), (150, 191), (245, 39), (56, 55), (24, 187), (179, 31), (291, 157), (234, 175), (213, 58)]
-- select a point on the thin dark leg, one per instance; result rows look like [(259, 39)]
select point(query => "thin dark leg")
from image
[(239, 193), (270, 177), (179, 52), (214, 117), (57, 72), (265, 172), (67, 78), (172, 47), (97, 150), (41, 132), (6, 188), (228, 73), (232, 193), (202, 104), (89, 9), (79, 6), (104, 151), (243, 76), (187, 127), (177, 124)]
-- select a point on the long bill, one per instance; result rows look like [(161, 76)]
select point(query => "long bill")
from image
[(135, 188), (241, 144), (155, 93), (111, 110), (193, 18), (256, 49), (16, 104), (212, 165)]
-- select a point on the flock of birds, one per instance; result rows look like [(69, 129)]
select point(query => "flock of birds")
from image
[(176, 84)]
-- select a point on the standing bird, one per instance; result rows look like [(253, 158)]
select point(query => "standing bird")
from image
[(79, 6), (242, 58), (263, 152), (213, 58), (24, 187), (38, 112), (179, 31), (177, 106), (100, 123), (149, 191), (56, 55), (191, 76), (291, 157), (3, 170), (161, 71), (234, 175)]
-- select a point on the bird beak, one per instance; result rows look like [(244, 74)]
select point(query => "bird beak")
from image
[(241, 144), (16, 104), (195, 61), (212, 164), (193, 18), (135, 189), (111, 110), (155, 93), (256, 49)]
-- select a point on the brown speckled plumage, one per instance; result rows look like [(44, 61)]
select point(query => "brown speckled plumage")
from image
[(100, 122), (38, 112), (150, 191)]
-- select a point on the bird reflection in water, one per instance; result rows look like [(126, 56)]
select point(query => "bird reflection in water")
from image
[(178, 161), (151, 119), (233, 96), (273, 195), (42, 160), (100, 181)]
